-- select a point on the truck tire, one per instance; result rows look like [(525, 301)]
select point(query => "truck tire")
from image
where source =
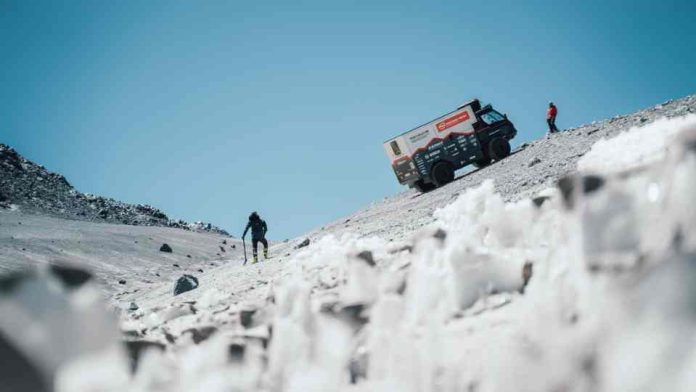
[(483, 162), (442, 173), (498, 148), (423, 186)]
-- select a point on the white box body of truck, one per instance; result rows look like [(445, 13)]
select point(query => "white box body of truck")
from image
[(447, 143)]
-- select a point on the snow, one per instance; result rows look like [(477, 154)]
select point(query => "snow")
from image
[(636, 147), (485, 294)]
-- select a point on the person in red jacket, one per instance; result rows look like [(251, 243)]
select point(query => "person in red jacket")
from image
[(551, 117)]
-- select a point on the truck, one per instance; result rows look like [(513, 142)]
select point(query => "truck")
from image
[(427, 156)]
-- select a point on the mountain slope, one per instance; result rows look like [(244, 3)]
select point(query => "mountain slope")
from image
[(473, 286), (114, 252)]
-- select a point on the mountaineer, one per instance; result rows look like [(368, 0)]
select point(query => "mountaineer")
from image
[(258, 234), (551, 117)]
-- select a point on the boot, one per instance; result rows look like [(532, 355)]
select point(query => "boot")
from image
[(265, 253), (256, 259)]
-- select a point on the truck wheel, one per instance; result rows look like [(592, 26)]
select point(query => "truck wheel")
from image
[(498, 148), (423, 186), (442, 173), (483, 162)]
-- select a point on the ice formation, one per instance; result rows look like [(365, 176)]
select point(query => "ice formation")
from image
[(590, 288)]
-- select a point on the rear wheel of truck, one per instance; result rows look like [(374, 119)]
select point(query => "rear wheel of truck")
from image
[(498, 148), (423, 186), (442, 173)]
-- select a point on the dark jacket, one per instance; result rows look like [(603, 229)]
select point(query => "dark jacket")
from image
[(258, 227)]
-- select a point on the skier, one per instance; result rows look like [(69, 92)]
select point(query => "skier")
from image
[(258, 234), (551, 117)]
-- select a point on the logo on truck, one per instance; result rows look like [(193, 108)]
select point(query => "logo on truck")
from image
[(452, 121), (419, 136)]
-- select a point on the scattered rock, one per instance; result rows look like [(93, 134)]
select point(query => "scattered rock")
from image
[(166, 248), (189, 256), (224, 242), (122, 281), (303, 244), (222, 249), (200, 334), (534, 161), (176, 266), (133, 307), (185, 283)]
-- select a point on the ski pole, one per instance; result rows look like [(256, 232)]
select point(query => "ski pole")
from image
[(244, 246)]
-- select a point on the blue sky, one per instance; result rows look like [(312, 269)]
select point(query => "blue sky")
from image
[(212, 109)]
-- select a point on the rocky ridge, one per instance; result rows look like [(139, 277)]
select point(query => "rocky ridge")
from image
[(31, 188)]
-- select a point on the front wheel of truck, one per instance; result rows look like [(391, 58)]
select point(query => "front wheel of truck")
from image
[(483, 162), (442, 173), (498, 148), (423, 186)]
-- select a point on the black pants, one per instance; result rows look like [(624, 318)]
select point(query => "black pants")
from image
[(255, 245), (552, 124)]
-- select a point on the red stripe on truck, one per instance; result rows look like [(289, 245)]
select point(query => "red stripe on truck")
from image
[(433, 140), (452, 121)]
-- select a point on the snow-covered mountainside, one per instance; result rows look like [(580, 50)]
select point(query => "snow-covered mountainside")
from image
[(568, 266), (33, 189)]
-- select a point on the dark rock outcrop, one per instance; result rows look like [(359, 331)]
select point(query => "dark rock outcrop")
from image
[(36, 190), (185, 283)]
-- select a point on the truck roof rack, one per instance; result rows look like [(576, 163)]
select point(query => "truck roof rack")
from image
[(475, 104)]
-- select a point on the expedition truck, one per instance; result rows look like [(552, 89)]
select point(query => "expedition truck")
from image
[(427, 156)]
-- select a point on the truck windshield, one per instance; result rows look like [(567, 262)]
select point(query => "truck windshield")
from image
[(492, 117)]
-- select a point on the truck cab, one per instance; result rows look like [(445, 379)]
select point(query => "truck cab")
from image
[(427, 156)]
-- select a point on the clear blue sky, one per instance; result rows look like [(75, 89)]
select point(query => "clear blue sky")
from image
[(212, 109)]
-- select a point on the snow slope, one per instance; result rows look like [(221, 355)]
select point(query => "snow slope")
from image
[(610, 269), (471, 287)]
